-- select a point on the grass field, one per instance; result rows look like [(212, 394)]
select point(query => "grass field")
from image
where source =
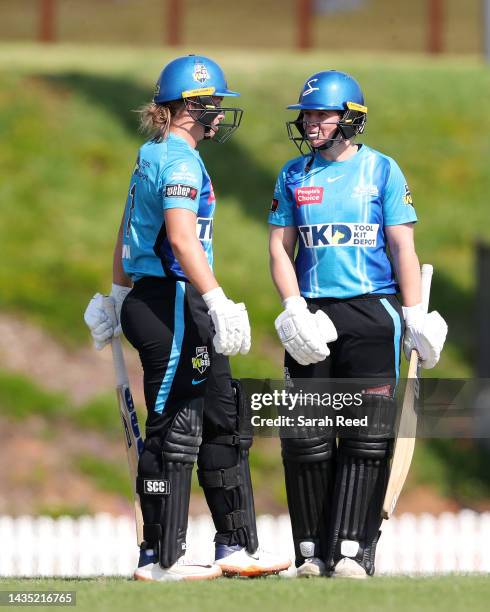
[(455, 593)]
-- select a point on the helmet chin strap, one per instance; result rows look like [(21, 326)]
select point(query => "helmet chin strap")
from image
[(331, 142)]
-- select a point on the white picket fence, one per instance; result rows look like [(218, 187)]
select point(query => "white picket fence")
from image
[(105, 545)]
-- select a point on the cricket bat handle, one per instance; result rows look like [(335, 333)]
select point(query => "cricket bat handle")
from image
[(117, 352), (426, 281), (427, 271)]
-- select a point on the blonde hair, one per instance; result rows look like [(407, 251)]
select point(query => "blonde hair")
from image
[(155, 119)]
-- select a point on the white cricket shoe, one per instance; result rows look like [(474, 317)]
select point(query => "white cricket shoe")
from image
[(348, 568), (180, 570), (311, 568), (242, 563)]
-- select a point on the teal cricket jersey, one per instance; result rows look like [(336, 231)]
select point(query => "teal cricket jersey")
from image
[(340, 210), (168, 174)]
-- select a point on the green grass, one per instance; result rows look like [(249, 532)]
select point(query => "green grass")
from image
[(20, 398), (457, 593), (107, 475)]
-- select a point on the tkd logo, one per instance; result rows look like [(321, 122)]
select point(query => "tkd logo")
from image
[(334, 234)]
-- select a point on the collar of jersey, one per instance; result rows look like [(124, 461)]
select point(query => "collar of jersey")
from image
[(321, 161), (178, 139)]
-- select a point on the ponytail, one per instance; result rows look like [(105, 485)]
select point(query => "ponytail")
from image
[(155, 119)]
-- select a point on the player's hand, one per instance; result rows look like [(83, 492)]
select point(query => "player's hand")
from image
[(303, 334), (101, 325), (424, 332), (98, 321), (231, 324)]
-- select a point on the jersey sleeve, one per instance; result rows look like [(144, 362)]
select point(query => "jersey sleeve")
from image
[(180, 184), (281, 211), (397, 200)]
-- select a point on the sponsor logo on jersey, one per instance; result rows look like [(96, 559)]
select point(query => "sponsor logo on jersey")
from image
[(332, 179), (180, 191), (365, 190), (183, 174), (274, 204), (407, 198), (204, 228), (201, 361), (156, 486), (201, 74), (308, 195), (339, 235)]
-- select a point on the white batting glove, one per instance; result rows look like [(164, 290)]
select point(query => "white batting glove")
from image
[(424, 332), (303, 334), (118, 294), (98, 321), (101, 325), (231, 324)]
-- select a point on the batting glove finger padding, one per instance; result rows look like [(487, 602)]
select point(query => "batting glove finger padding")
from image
[(98, 322), (231, 324), (325, 327), (303, 334), (426, 333), (247, 334)]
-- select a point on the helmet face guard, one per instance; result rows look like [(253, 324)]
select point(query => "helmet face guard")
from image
[(204, 110), (351, 122)]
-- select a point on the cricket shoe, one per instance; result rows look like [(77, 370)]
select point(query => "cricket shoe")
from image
[(237, 561), (312, 567), (182, 569), (348, 568)]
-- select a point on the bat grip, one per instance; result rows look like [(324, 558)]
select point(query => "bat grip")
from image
[(426, 280), (116, 346)]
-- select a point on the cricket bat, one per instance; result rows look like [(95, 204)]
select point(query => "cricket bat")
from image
[(129, 418), (405, 445)]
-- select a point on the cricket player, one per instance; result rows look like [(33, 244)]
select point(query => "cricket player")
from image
[(341, 205), (174, 312)]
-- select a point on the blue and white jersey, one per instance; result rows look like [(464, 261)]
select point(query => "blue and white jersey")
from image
[(340, 210), (167, 174)]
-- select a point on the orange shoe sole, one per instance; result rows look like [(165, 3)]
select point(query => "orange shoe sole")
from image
[(252, 571)]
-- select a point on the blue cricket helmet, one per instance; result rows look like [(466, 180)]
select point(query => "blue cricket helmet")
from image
[(191, 76), (329, 90)]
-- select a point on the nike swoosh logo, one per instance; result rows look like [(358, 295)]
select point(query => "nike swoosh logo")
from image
[(198, 382), (335, 178)]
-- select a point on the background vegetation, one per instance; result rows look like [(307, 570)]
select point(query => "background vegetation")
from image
[(70, 138)]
